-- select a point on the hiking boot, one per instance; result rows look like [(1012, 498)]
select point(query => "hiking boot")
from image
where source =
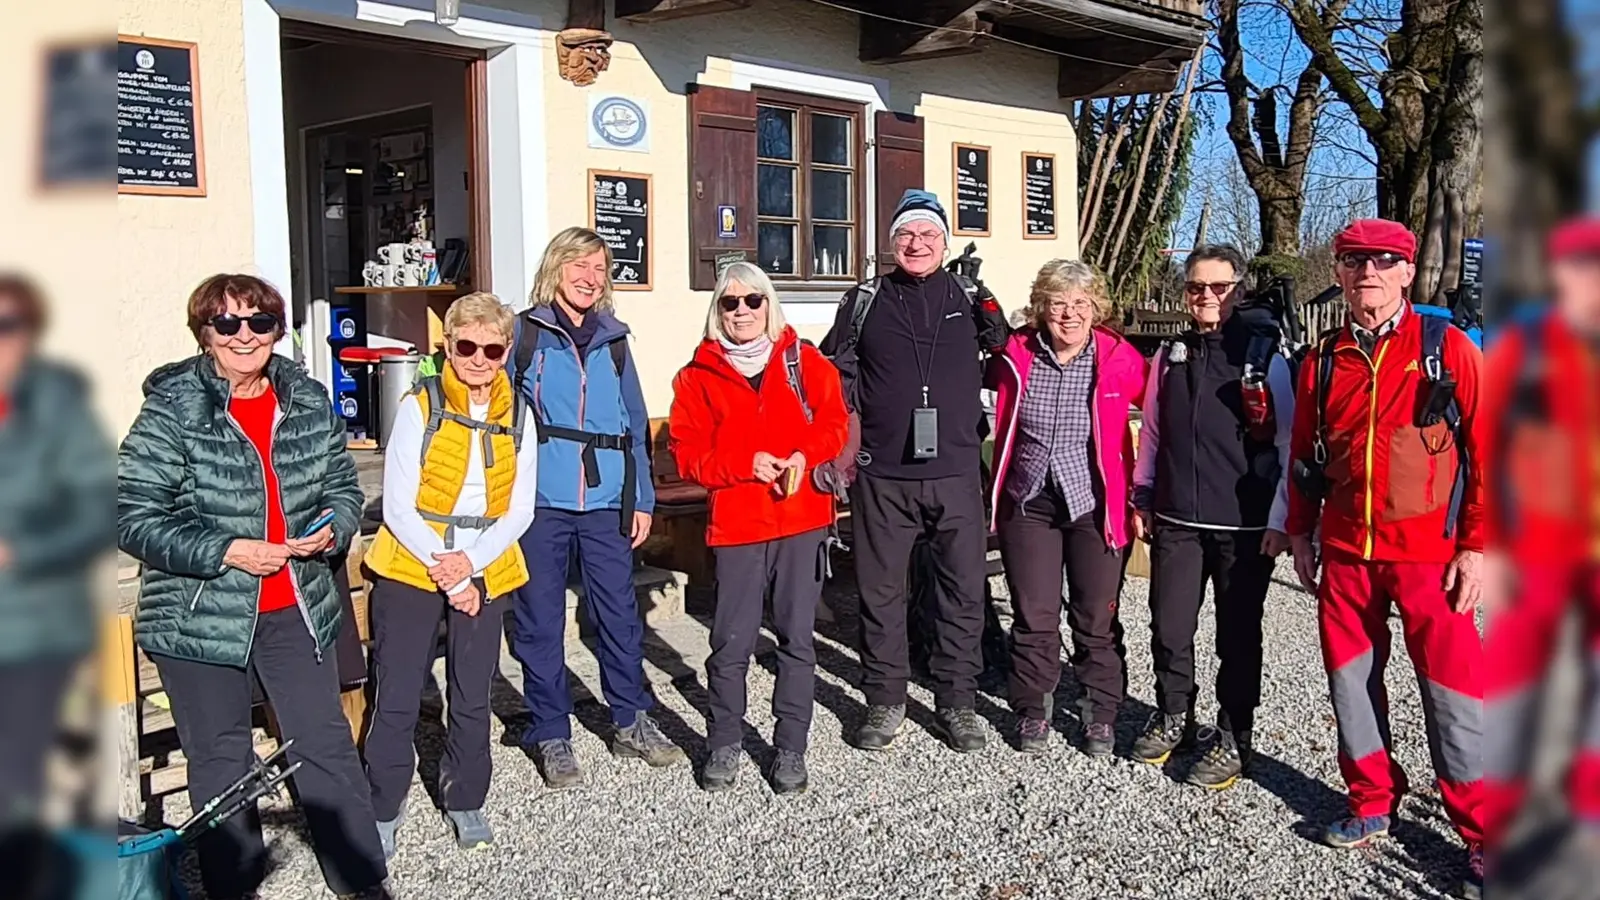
[(378, 892), (644, 740), (471, 828), (1099, 739), (1033, 735), (722, 769), (789, 773), (881, 728), (961, 728), (1223, 762), (386, 833), (1355, 831), (1167, 732), (557, 764), (1472, 885)]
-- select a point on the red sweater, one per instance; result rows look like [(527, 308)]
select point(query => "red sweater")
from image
[(719, 422), (1389, 483), (255, 417)]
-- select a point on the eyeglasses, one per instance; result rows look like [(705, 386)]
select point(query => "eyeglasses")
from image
[(752, 302), (12, 325), (904, 238), (467, 349), (1081, 304), (1356, 261), (229, 324), (1199, 288)]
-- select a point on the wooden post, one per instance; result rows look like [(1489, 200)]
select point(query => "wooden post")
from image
[(119, 688)]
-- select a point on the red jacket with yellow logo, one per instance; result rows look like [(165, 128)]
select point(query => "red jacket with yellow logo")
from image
[(1389, 481)]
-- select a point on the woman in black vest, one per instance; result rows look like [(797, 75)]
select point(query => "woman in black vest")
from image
[(1210, 497)]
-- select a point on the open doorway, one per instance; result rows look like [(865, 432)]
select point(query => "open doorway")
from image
[(386, 154)]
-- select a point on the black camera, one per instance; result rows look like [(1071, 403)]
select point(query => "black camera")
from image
[(1310, 478)]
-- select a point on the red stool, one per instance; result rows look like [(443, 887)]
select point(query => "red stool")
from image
[(370, 357)]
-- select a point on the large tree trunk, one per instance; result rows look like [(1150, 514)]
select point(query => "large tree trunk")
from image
[(1109, 248)]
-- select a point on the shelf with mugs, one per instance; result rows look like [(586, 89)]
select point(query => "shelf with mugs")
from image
[(401, 289)]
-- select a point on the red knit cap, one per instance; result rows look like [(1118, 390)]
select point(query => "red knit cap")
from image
[(1574, 237), (1376, 236)]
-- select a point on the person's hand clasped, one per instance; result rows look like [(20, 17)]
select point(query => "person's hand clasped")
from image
[(1464, 577), (766, 467), (450, 569), (256, 557), (468, 602)]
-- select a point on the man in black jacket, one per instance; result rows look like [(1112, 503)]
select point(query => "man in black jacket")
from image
[(913, 375), (1210, 495)]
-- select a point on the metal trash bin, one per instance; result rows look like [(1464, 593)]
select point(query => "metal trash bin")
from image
[(396, 376)]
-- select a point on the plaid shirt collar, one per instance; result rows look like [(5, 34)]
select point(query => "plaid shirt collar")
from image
[(1368, 338)]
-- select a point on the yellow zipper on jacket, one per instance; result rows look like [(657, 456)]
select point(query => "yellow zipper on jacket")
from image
[(1372, 437)]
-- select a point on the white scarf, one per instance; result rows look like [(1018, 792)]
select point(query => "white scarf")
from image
[(750, 358)]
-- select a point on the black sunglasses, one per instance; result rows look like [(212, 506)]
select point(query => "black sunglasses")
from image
[(465, 348), (228, 324), (1356, 261), (730, 302)]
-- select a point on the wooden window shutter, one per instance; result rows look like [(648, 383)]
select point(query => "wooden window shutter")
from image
[(722, 172), (899, 150)]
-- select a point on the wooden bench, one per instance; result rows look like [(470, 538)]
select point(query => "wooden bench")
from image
[(678, 529)]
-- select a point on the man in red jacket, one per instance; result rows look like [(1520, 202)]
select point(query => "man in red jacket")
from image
[(1542, 422), (1380, 477)]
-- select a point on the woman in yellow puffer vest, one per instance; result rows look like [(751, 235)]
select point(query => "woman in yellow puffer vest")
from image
[(459, 487)]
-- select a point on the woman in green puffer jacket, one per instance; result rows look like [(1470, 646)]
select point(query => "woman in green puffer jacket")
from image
[(234, 455), (55, 482)]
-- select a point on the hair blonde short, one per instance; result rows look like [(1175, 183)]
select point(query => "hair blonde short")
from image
[(572, 243), (751, 276), (478, 308), (1061, 276)]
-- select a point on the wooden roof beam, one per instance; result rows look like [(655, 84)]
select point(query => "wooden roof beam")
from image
[(935, 29), (662, 10)]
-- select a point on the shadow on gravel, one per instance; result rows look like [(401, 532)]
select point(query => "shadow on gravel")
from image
[(1312, 800)]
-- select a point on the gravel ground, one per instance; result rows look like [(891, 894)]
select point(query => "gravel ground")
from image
[(924, 822)]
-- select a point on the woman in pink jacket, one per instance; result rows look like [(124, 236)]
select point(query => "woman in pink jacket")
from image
[(1063, 464)]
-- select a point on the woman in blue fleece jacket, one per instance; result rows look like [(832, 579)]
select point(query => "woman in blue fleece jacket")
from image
[(573, 367)]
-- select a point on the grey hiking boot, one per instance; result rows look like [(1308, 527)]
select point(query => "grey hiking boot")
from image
[(1167, 732), (644, 740), (1224, 759), (961, 728), (881, 728), (471, 828), (1099, 739), (789, 773), (557, 764), (722, 769), (386, 833)]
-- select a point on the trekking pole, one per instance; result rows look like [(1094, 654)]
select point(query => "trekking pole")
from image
[(268, 786), (257, 766)]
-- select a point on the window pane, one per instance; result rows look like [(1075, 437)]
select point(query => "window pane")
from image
[(776, 250), (830, 140), (774, 133), (830, 195), (830, 251), (775, 196)]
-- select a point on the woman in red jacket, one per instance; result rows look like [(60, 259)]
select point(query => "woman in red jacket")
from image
[(752, 415)]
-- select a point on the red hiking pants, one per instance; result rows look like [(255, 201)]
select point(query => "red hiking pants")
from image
[(1447, 653), (1521, 642)]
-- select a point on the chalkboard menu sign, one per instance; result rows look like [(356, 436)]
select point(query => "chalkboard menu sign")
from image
[(158, 118), (972, 189), (77, 146), (1471, 261), (619, 211), (1039, 196)]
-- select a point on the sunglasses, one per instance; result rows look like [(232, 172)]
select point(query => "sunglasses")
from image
[(12, 325), (229, 324), (1199, 288), (731, 302), (465, 349), (1358, 261)]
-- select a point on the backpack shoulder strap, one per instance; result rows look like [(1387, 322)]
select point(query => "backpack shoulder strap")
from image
[(1324, 384), (968, 287), (1432, 359), (435, 392), (619, 355), (526, 336), (791, 367), (865, 294), (1258, 353)]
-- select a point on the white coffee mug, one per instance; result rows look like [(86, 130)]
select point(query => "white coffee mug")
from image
[(413, 253), (408, 275), (392, 254), (391, 274), (371, 274)]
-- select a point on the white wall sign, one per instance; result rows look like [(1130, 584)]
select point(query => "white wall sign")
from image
[(618, 123)]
